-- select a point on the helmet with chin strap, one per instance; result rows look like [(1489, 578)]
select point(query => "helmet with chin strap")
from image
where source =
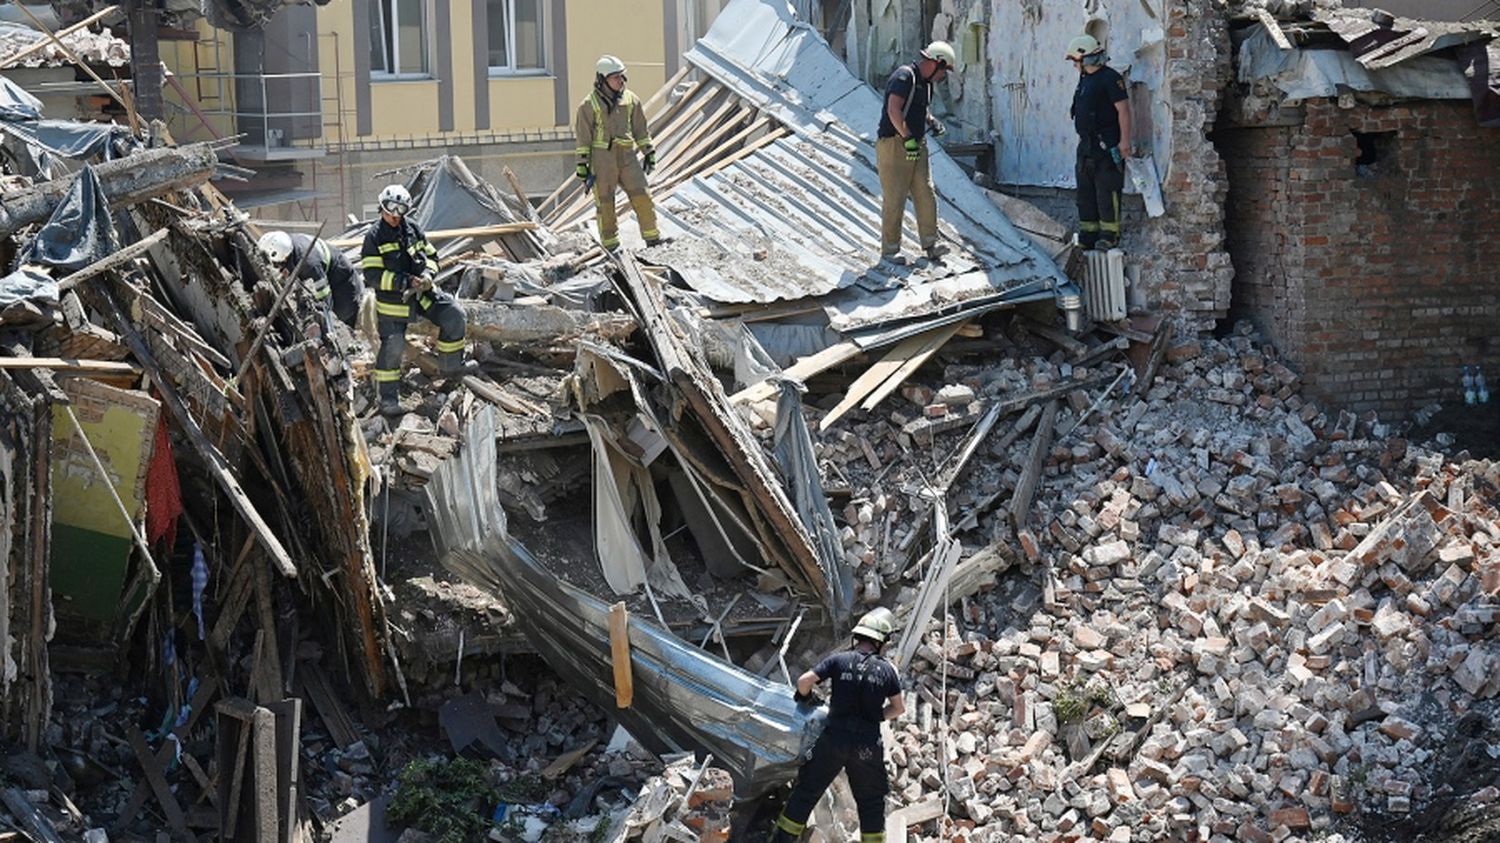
[(609, 66), (395, 199), (275, 247)]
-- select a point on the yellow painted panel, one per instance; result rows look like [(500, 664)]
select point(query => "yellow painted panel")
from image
[(402, 109), (121, 426), (521, 102), (599, 27), (463, 66)]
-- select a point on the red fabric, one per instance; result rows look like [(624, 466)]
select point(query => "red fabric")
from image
[(163, 493)]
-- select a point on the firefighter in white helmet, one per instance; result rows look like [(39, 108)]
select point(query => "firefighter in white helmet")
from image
[(901, 150), (329, 275), (611, 129), (402, 266), (1101, 116), (866, 692)]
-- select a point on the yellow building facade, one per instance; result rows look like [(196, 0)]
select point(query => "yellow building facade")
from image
[(328, 97)]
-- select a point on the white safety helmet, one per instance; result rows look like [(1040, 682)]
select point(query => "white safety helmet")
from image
[(276, 247), (877, 625), (609, 65), (942, 52), (1084, 46), (395, 199)]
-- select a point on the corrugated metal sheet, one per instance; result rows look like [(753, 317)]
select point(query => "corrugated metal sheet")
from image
[(811, 203), (684, 696)]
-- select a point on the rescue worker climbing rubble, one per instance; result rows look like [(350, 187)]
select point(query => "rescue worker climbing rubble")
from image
[(401, 266), (901, 151), (1101, 115), (610, 128), (866, 692), (329, 275)]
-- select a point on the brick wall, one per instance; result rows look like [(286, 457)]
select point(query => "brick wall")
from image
[(1185, 269), (1379, 287)]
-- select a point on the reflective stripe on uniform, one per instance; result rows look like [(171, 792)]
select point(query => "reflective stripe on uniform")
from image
[(450, 347), (395, 311), (790, 827), (389, 247), (872, 837), (627, 102), (327, 254), (372, 262), (322, 292), (1088, 226), (388, 280), (387, 375)]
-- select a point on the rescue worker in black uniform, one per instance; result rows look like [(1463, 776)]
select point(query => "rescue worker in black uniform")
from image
[(866, 692), (1101, 114), (401, 266), (329, 275)]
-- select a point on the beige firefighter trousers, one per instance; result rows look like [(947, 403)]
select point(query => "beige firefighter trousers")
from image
[(900, 178), (619, 166)]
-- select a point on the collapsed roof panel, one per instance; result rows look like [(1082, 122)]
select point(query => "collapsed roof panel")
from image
[(679, 694), (784, 69)]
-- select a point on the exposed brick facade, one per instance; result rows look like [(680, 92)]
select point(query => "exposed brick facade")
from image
[(1379, 287), (1185, 269)]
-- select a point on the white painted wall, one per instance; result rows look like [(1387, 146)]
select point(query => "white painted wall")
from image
[(1032, 84)]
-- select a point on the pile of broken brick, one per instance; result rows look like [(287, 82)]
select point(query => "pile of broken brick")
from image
[(1241, 617)]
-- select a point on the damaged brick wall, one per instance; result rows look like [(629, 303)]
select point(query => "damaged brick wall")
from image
[(1378, 280), (1185, 267)]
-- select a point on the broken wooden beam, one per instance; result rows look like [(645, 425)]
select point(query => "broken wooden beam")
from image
[(151, 767), (452, 233), (543, 324), (69, 366), (113, 261), (126, 181), (1070, 346), (619, 653), (41, 43), (1031, 474), (801, 370), (212, 458), (887, 375)]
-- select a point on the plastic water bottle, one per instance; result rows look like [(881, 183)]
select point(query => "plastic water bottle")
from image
[(1482, 392), (1469, 395)]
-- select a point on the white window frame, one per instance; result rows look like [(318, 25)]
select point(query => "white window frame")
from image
[(502, 71), (392, 26)]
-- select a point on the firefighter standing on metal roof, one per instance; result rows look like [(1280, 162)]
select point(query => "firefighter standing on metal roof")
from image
[(401, 266), (329, 275), (1101, 114), (611, 128), (901, 153), (866, 692)]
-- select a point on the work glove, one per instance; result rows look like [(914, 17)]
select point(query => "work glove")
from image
[(582, 171), (649, 162), (938, 129), (913, 148), (807, 700)]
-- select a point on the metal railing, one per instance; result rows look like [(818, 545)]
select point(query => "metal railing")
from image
[(269, 125)]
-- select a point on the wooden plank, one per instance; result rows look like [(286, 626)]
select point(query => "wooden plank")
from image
[(263, 780), (217, 465), (1159, 345), (1021, 426), (31, 819), (562, 763), (936, 339), (235, 723), (801, 370), (452, 233), (884, 370), (1274, 28), (159, 787), (619, 653), (1031, 474), (1070, 346), (113, 261), (315, 684)]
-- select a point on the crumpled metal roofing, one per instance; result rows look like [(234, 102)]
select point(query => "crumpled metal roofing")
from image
[(684, 697), (812, 201)]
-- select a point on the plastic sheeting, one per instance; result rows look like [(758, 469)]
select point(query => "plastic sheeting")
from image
[(79, 231), (794, 451), (21, 118), (26, 284), (684, 696), (1305, 74), (441, 203)]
